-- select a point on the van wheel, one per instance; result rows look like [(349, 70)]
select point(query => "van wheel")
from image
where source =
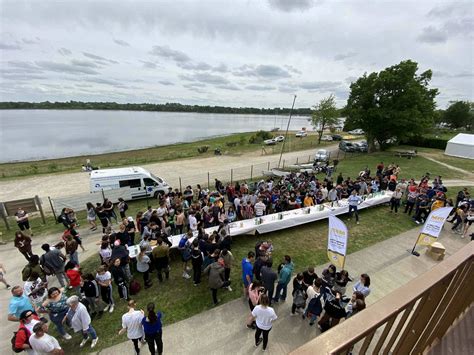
[(155, 195)]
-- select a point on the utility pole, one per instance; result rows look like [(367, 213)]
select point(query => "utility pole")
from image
[(287, 128)]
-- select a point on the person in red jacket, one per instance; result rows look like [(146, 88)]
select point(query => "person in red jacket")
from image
[(28, 319), (74, 275)]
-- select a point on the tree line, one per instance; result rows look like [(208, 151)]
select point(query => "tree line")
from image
[(168, 107)]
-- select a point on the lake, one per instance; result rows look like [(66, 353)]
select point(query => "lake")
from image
[(46, 134)]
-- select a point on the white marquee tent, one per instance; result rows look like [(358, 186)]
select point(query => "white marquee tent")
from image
[(461, 146)]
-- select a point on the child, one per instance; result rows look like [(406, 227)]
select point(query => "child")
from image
[(104, 279), (2, 278), (73, 273), (90, 289)]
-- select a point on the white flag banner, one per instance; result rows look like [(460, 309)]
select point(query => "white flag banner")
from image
[(433, 225), (337, 241)]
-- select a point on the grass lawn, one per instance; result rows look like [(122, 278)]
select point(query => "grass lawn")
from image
[(306, 244), (240, 144)]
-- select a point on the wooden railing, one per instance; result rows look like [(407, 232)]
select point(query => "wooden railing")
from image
[(408, 320)]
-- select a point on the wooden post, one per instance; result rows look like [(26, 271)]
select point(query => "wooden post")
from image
[(180, 186), (296, 160), (208, 181), (251, 172), (3, 212), (40, 208), (52, 210), (268, 168), (103, 195), (231, 175), (283, 163)]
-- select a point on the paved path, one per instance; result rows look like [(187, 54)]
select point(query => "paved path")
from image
[(192, 171), (222, 330)]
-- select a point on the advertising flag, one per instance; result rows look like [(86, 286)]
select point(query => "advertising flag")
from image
[(432, 227), (337, 241)]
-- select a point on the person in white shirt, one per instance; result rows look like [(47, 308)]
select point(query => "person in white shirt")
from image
[(81, 321), (43, 343), (354, 200), (132, 324), (264, 316), (193, 225), (259, 208)]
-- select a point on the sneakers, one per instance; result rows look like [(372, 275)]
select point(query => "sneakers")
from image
[(229, 288), (357, 222), (186, 275), (259, 341), (83, 342), (9, 287), (67, 336), (111, 309), (94, 342), (188, 268), (107, 308), (292, 314)]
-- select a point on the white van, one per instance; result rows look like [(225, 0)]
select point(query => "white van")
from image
[(139, 182)]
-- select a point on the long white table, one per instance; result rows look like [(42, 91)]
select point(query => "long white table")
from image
[(277, 221)]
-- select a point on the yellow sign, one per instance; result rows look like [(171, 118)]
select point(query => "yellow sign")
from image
[(336, 259)]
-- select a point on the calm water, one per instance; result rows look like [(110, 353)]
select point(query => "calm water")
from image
[(46, 134)]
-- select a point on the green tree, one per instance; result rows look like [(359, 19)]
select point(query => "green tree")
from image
[(393, 104), (324, 115), (459, 115)]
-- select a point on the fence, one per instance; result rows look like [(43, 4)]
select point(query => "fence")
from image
[(9, 208), (205, 179), (408, 320)]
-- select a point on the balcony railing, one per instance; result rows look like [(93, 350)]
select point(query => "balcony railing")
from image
[(408, 320)]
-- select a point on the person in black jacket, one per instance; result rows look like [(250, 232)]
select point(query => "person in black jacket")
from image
[(118, 274), (299, 295), (257, 266), (91, 292), (268, 277), (334, 311), (197, 259)]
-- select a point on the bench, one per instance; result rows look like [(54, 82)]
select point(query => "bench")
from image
[(406, 154)]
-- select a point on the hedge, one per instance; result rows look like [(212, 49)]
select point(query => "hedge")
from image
[(425, 142)]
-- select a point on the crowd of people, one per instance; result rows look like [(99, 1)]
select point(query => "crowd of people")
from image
[(83, 297)]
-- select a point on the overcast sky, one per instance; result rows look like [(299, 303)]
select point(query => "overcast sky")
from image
[(232, 53)]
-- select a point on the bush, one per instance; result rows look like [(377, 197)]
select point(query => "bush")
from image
[(231, 144), (259, 137), (203, 149), (418, 141)]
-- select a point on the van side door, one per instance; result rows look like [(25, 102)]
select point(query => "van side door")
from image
[(135, 185)]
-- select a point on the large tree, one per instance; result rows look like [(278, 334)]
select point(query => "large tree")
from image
[(392, 104), (324, 115), (459, 115)]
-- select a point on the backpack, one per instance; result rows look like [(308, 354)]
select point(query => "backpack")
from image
[(314, 306), (135, 287), (298, 299), (13, 340)]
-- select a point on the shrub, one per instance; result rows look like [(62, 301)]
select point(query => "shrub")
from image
[(426, 142), (259, 137), (203, 149)]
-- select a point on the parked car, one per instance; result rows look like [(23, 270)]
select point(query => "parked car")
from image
[(279, 138), (326, 137), (361, 147), (336, 137), (346, 146), (322, 155), (270, 141), (301, 134), (356, 132)]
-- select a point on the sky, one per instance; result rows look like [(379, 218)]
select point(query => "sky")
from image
[(231, 53)]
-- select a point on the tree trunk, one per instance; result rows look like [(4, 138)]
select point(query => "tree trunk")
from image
[(321, 133), (371, 143)]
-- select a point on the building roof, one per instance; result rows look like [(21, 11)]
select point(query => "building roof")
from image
[(463, 138)]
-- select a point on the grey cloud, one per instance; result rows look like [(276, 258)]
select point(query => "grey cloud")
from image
[(455, 8), (292, 69), (262, 71), (229, 87), (194, 85), (432, 35), (64, 51), (165, 82), (84, 63), (286, 89), (9, 47), (464, 74), (99, 59), (167, 52), (292, 5), (194, 66), (24, 66), (122, 43), (320, 85), (260, 87), (64, 68), (149, 65), (30, 41), (343, 56), (111, 82), (20, 76), (206, 78), (222, 68), (350, 79)]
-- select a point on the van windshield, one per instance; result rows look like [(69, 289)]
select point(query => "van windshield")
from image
[(156, 178)]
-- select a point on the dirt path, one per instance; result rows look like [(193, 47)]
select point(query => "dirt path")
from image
[(465, 172), (192, 171)]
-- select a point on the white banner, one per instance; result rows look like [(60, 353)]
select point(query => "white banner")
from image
[(433, 225), (337, 236)]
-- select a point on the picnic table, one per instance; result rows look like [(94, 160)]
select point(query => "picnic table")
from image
[(406, 153)]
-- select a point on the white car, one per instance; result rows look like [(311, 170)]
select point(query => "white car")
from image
[(279, 138), (321, 155), (301, 134), (326, 138), (356, 132)]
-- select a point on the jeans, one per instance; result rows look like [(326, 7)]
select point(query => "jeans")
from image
[(90, 331), (259, 332), (153, 339), (197, 274), (214, 291), (135, 345), (61, 278), (95, 304), (57, 319), (394, 204), (74, 257), (353, 208), (409, 207), (278, 294), (27, 254), (106, 293)]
